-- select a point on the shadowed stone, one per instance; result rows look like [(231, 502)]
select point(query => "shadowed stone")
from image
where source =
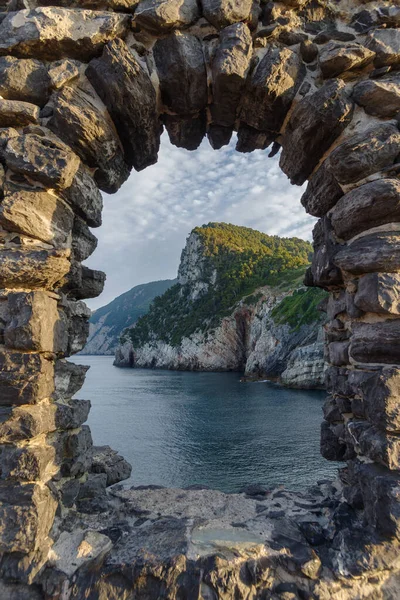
[(322, 192), (62, 72), (76, 315), (331, 446), (219, 136), (182, 73), (375, 203), (271, 89), (127, 91), (68, 379), (222, 13), (380, 98), (160, 16), (73, 451), (338, 353), (84, 243), (25, 378), (79, 121), (36, 213), (379, 489), (376, 342), (83, 282), (28, 463), (186, 132), (250, 139), (314, 125), (52, 33), (14, 113), (108, 461), (323, 268), (381, 447), (32, 268), (26, 516), (117, 5), (381, 399), (386, 44), (371, 253), (85, 197), (45, 159), (34, 324), (229, 70), (379, 293), (335, 58), (25, 79), (365, 153)]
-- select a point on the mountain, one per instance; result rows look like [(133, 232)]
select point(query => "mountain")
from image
[(238, 305), (107, 323)]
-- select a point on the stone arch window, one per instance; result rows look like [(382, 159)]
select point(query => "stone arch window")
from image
[(86, 87)]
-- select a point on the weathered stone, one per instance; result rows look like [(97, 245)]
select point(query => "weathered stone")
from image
[(45, 159), (26, 516), (386, 44), (381, 447), (370, 205), (338, 353), (222, 13), (76, 315), (322, 192), (85, 197), (36, 213), (331, 446), (336, 58), (62, 72), (380, 98), (379, 293), (324, 270), (24, 79), (68, 379), (186, 132), (250, 139), (26, 463), (308, 51), (182, 73), (379, 488), (25, 378), (376, 342), (271, 89), (14, 113), (52, 33), (117, 5), (92, 496), (160, 16), (108, 461), (73, 451), (370, 253), (229, 70), (84, 243), (219, 136), (381, 394), (32, 268), (127, 91), (85, 126), (314, 125), (83, 282), (34, 323), (365, 153), (26, 422), (331, 410)]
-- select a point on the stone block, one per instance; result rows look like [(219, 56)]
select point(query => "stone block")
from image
[(161, 16), (338, 353), (379, 293), (381, 447), (73, 451), (336, 58), (230, 66), (376, 343), (26, 515), (26, 463), (113, 465), (14, 113), (76, 318), (128, 93), (381, 396), (380, 98), (83, 123), (332, 446), (34, 323), (52, 32), (250, 139), (84, 282), (68, 379), (270, 90), (365, 153), (186, 132), (380, 493), (43, 158), (25, 79), (370, 254), (85, 198), (25, 378), (84, 243), (323, 268), (222, 13), (33, 268), (322, 192), (370, 205), (63, 71), (36, 213), (386, 45), (315, 123)]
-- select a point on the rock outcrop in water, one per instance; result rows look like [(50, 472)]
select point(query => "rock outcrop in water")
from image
[(273, 332)]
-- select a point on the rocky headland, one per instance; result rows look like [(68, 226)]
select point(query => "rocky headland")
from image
[(216, 324)]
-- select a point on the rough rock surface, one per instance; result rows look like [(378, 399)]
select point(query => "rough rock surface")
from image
[(222, 13), (160, 16), (380, 98), (336, 57), (24, 79)]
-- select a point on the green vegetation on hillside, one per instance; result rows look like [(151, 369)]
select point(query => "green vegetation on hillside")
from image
[(301, 308), (244, 260)]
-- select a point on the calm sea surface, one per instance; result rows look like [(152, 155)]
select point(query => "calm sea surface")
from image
[(179, 429)]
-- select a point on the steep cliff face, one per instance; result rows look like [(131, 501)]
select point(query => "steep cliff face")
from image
[(268, 333), (107, 323)]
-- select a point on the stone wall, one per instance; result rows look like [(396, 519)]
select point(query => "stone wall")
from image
[(87, 87)]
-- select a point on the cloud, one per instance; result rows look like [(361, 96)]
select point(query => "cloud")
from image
[(145, 224)]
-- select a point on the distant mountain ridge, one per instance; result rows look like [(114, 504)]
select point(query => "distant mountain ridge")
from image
[(107, 322)]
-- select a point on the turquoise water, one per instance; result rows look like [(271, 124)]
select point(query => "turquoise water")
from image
[(179, 429)]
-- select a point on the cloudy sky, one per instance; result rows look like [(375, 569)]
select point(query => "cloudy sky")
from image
[(146, 223)]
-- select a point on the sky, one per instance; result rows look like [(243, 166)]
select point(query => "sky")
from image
[(146, 223)]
